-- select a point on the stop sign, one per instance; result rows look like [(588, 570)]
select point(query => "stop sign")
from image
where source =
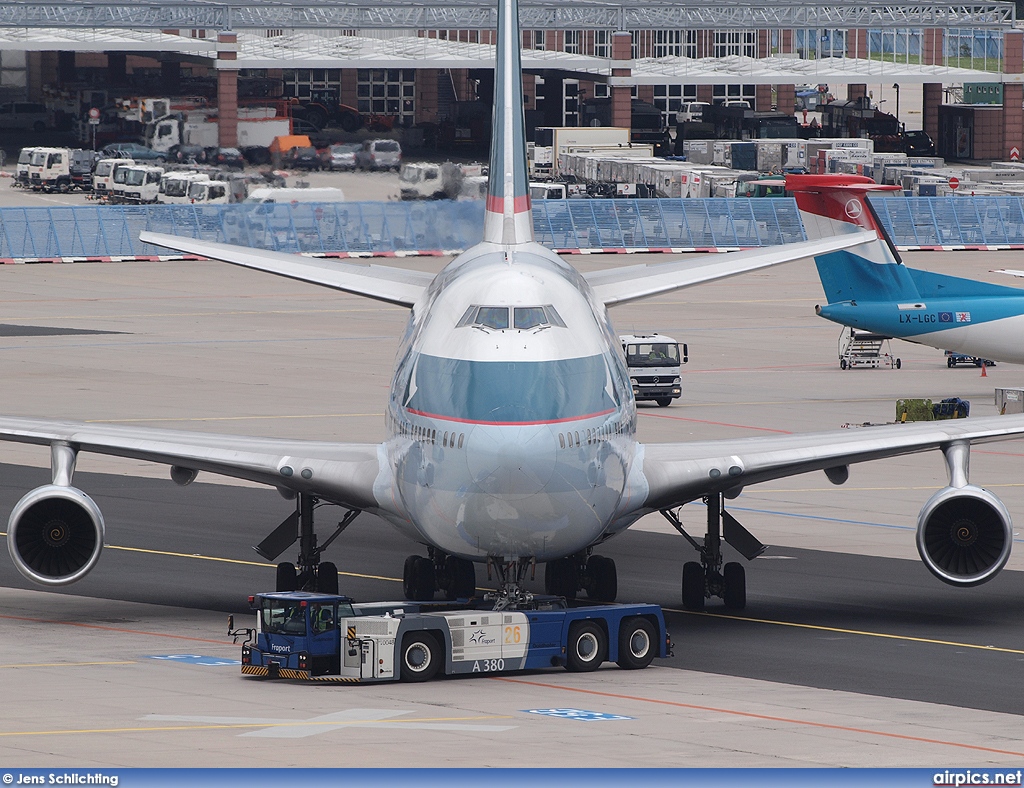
[(954, 182)]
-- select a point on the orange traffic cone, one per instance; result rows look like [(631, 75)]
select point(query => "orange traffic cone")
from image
[(984, 370)]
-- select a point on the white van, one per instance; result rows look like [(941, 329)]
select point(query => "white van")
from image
[(272, 195), (690, 111)]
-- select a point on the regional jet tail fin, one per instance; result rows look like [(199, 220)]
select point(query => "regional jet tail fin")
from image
[(379, 282), (508, 218), (836, 205)]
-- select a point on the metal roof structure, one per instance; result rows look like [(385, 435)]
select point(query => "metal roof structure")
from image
[(474, 14)]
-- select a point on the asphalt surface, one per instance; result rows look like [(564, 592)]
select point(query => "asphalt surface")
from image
[(818, 619)]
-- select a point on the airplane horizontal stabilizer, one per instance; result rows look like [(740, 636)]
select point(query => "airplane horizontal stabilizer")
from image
[(379, 282), (620, 285)]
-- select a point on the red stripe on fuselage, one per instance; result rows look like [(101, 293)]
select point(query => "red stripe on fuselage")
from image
[(520, 204), (509, 423)]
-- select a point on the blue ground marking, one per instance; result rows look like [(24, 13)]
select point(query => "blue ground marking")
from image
[(195, 659), (576, 714)]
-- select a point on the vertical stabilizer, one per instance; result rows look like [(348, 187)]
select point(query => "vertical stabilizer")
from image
[(508, 218), (832, 205)]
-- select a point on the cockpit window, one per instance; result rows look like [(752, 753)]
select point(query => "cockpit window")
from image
[(530, 317), (524, 318), (492, 317)]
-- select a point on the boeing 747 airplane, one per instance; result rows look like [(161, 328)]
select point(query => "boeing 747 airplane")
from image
[(870, 289), (511, 426)]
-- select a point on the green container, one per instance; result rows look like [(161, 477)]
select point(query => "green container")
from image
[(914, 410)]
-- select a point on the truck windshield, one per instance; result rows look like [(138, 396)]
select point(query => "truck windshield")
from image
[(103, 168), (197, 191), (135, 177), (120, 174), (652, 354), (24, 156), (175, 187), (38, 159), (283, 618)]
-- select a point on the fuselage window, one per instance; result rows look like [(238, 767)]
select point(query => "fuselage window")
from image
[(461, 436), (561, 440)]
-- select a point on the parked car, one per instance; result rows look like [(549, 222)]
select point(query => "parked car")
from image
[(918, 143), (24, 116), (187, 154), (341, 156), (301, 158), (379, 155), (132, 150), (226, 157)]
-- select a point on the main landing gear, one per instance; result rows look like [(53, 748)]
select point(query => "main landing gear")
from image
[(709, 578), (309, 573), (421, 576), (594, 574)]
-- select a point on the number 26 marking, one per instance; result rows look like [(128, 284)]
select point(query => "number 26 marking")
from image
[(512, 635)]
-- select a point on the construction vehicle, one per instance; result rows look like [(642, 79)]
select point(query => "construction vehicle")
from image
[(865, 349), (330, 638), (654, 363), (324, 108)]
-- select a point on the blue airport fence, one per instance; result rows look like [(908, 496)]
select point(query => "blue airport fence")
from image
[(389, 227), (355, 228)]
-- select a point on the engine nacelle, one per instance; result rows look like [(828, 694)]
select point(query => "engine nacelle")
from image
[(55, 535), (964, 535)]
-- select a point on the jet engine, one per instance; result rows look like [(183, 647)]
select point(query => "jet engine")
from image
[(964, 535), (55, 535)]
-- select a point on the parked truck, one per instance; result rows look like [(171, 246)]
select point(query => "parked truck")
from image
[(61, 169), (432, 181), (203, 129), (550, 141), (331, 638), (654, 366), (137, 184)]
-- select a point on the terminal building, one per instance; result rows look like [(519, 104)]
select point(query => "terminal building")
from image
[(959, 68)]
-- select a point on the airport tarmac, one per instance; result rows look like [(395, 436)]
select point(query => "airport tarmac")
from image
[(204, 346)]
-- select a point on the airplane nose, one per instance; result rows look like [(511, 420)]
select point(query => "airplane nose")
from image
[(511, 462)]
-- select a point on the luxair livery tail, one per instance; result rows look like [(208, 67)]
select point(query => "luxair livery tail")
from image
[(869, 287), (508, 218)]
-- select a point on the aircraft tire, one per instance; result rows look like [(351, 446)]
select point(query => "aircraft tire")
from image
[(424, 580), (420, 657), (560, 578), (735, 591), (693, 586), (287, 580), (409, 577), (461, 578), (327, 578), (587, 647), (604, 583), (638, 643)]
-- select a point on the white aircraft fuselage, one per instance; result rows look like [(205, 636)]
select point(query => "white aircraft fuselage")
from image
[(517, 441)]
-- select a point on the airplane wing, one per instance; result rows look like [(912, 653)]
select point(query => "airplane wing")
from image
[(681, 472), (1009, 272), (342, 473), (380, 282), (621, 285)]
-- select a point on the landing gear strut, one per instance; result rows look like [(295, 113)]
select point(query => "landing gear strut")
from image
[(709, 578), (595, 574), (309, 573)]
